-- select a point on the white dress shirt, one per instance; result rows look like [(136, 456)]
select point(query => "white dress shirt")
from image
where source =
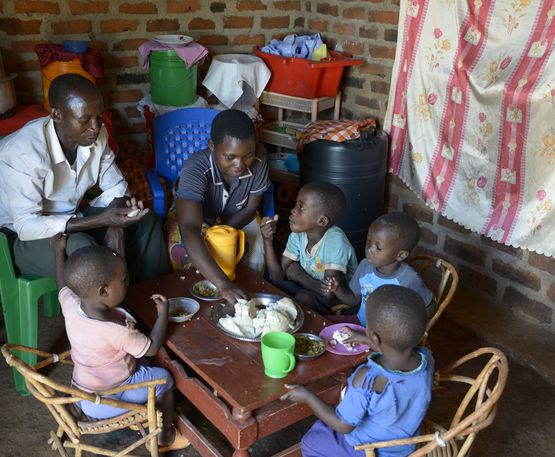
[(40, 191)]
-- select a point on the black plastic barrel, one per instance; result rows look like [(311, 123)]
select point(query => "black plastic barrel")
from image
[(358, 168)]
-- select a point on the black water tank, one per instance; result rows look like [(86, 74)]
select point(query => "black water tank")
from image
[(358, 168)]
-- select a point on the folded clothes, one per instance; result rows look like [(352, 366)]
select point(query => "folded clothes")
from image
[(294, 46), (91, 60), (191, 54)]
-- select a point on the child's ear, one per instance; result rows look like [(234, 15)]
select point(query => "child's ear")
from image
[(375, 340), (402, 255), (324, 221), (211, 145), (103, 291)]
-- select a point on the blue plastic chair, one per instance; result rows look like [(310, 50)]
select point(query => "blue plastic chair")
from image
[(177, 135)]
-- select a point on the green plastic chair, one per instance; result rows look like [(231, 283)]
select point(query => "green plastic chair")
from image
[(20, 296)]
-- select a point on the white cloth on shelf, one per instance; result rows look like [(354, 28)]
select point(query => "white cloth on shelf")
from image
[(228, 74)]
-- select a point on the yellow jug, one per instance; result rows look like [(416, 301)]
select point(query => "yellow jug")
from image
[(226, 246)]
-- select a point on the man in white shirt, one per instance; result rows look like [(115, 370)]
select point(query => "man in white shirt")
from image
[(46, 168)]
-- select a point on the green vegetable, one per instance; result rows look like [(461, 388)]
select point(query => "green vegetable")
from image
[(305, 345)]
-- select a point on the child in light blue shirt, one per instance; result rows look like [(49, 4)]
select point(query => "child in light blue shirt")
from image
[(316, 248), (387, 397)]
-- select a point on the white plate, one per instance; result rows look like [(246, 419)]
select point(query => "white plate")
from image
[(185, 306), (174, 40)]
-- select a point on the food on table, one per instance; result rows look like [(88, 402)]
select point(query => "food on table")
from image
[(339, 337), (304, 345), (179, 313), (251, 322), (205, 290)]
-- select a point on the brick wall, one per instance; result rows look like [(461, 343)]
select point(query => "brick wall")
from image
[(520, 280)]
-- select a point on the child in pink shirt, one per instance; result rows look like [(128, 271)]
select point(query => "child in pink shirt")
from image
[(105, 345)]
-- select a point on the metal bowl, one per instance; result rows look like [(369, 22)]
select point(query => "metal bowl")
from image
[(184, 306), (220, 310), (197, 287), (312, 337)]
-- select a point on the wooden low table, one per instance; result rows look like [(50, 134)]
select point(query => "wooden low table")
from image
[(224, 377)]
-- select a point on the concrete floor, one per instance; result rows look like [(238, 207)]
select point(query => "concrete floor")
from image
[(524, 426)]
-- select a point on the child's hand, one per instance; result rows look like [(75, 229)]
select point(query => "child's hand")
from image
[(294, 271), (268, 227), (297, 394), (329, 285), (161, 303), (58, 243), (355, 337)]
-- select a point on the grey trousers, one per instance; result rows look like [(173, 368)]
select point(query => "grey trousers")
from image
[(145, 249)]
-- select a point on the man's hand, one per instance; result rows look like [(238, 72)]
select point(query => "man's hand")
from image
[(123, 216), (297, 394), (233, 293), (58, 243), (268, 227), (161, 303)]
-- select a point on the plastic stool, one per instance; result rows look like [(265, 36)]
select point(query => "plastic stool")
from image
[(19, 296)]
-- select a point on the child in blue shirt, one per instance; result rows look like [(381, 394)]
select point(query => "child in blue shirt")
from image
[(387, 397), (390, 240), (316, 248)]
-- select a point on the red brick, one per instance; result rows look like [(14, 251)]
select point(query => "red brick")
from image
[(138, 8), (318, 25), (383, 17), (353, 13), (515, 274), (118, 26), (476, 281), (288, 5), (344, 29), (18, 27), (127, 95), (238, 22), (131, 44), (427, 236), (419, 212), (162, 25), (36, 6), (528, 306), (390, 35), (112, 61), (551, 292), (382, 52), (132, 112), (370, 33), (373, 69), (217, 7), (183, 6), (451, 225), (277, 22), (250, 5), (26, 46), (516, 252), (88, 7), (326, 8), (71, 27), (299, 22), (379, 87), (201, 24), (542, 262), (212, 40), (353, 47), (99, 45), (253, 40), (464, 251)]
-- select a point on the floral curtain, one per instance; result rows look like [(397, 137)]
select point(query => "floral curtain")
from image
[(471, 114)]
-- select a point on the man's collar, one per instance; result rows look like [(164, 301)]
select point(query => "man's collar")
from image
[(55, 146)]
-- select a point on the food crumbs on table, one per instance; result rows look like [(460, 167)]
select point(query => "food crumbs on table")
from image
[(197, 272), (226, 348), (182, 278)]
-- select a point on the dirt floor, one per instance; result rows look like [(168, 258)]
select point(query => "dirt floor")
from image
[(525, 423)]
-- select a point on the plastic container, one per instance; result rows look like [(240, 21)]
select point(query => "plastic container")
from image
[(306, 78), (171, 82), (58, 68), (281, 133), (78, 47), (358, 168)]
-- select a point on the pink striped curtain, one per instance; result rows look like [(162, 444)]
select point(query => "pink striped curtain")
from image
[(472, 114)]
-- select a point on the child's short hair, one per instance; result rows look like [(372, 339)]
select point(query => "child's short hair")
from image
[(406, 226), (232, 123), (330, 197), (89, 267), (398, 315)]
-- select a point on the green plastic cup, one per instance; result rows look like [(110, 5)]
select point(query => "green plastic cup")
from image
[(278, 354)]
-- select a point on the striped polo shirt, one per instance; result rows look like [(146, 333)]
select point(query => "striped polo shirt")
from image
[(200, 181)]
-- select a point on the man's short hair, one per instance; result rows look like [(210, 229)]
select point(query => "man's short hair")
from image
[(69, 84), (90, 267), (406, 227), (330, 197), (397, 315), (232, 123)]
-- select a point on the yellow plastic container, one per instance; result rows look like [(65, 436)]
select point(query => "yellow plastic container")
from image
[(57, 68), (226, 246)]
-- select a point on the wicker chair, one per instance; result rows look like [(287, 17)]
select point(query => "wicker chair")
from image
[(72, 424), (447, 282), (475, 412)]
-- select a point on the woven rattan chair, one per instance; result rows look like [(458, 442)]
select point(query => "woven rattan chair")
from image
[(72, 424), (446, 281), (475, 412)]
